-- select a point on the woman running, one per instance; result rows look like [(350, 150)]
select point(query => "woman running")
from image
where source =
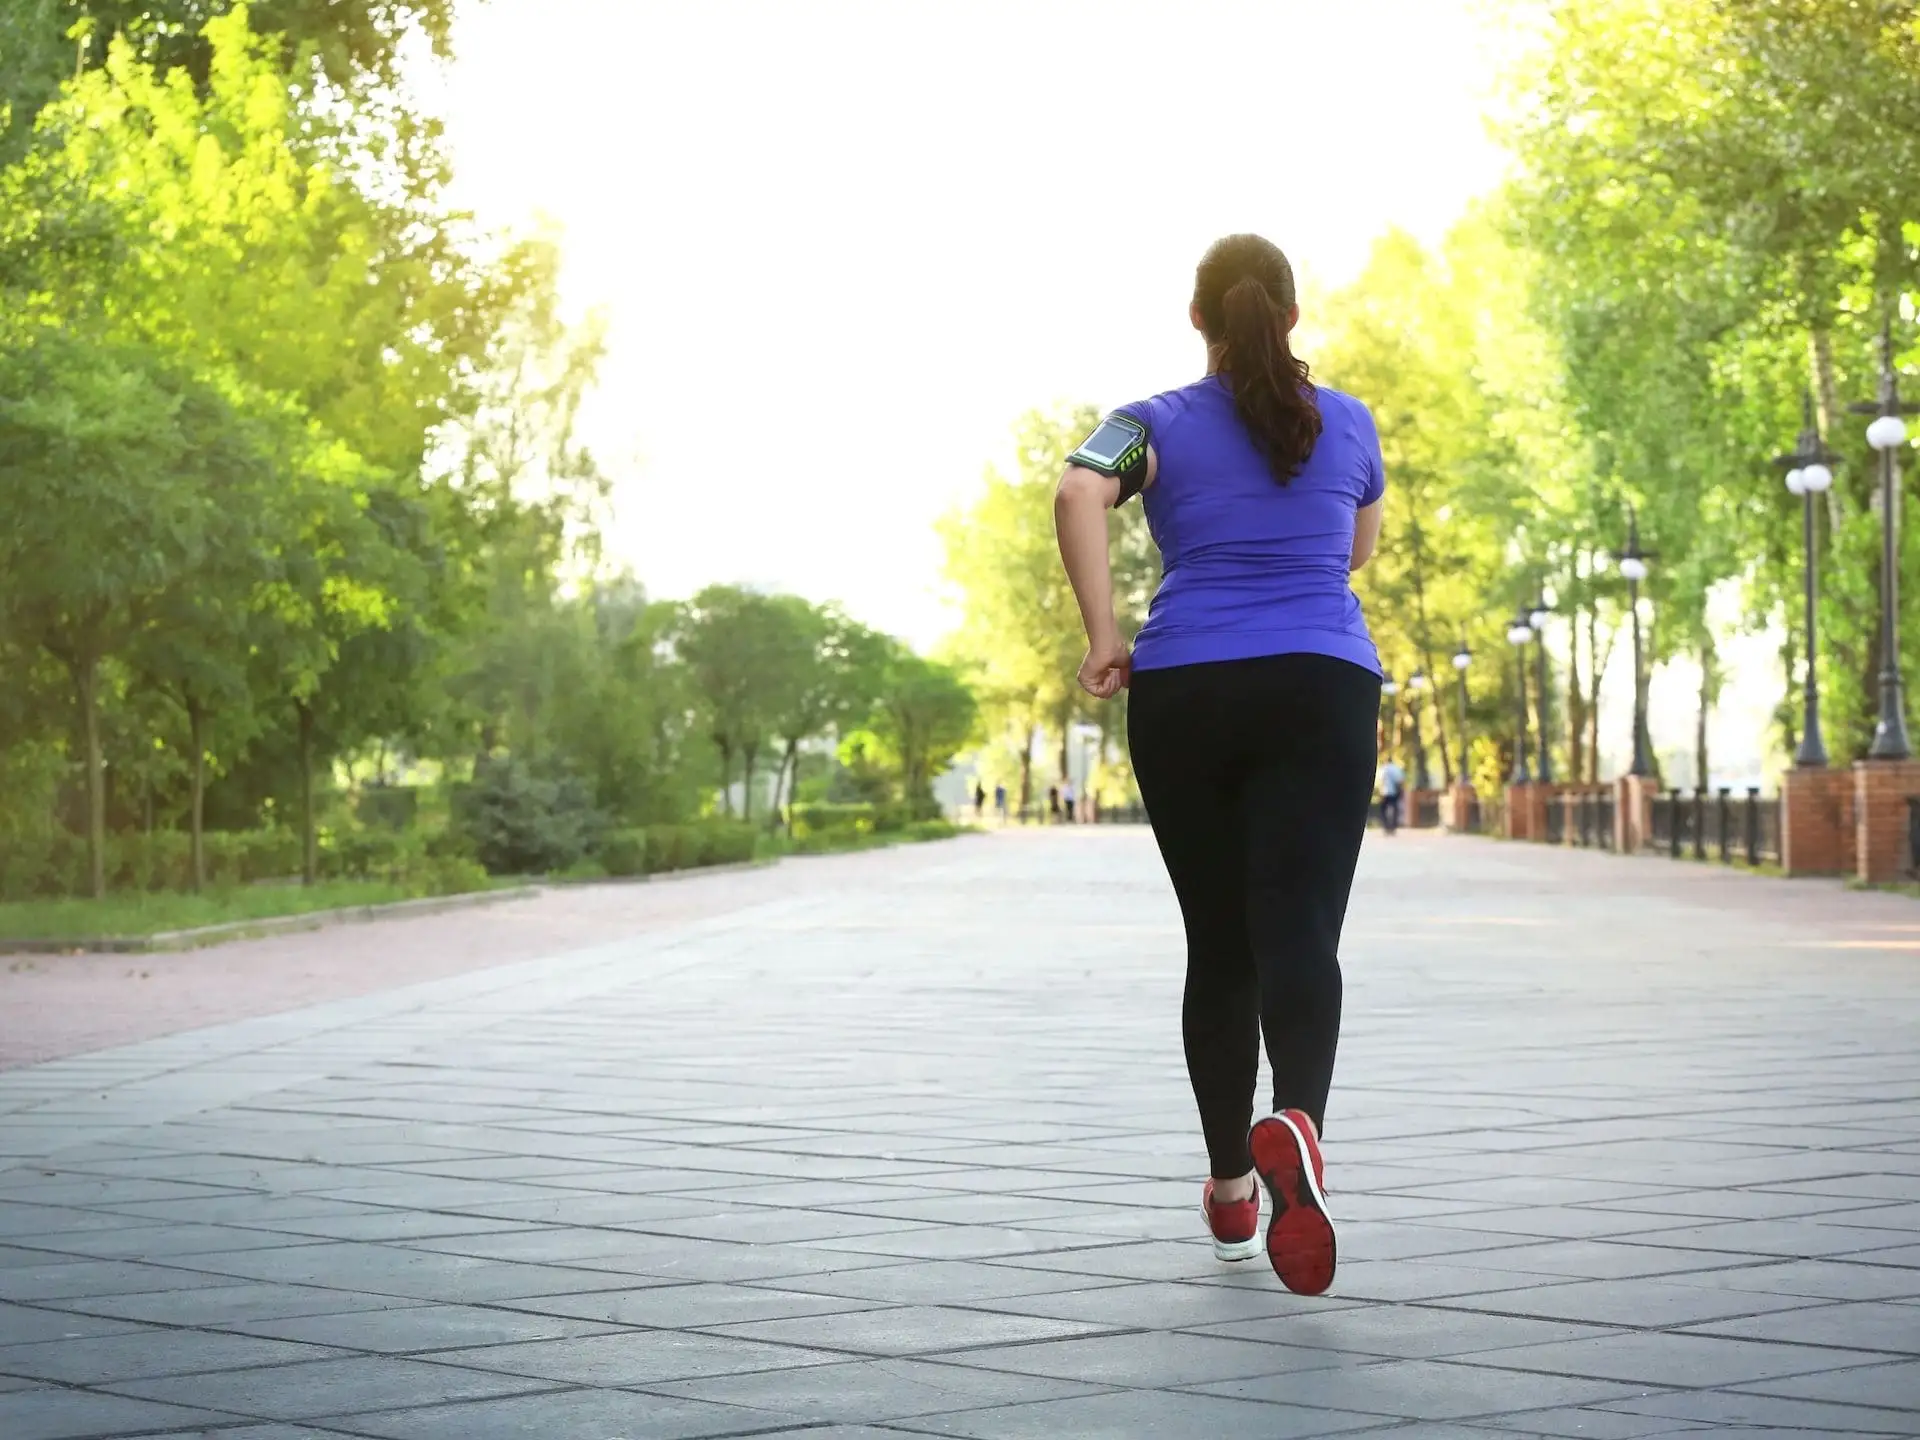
[(1255, 688)]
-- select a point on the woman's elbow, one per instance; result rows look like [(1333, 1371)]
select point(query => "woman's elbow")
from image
[(1079, 486)]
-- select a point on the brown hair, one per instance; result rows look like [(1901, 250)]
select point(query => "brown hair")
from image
[(1244, 292)]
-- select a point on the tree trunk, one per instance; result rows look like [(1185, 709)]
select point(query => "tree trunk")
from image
[(746, 786), (309, 838), (1598, 663), (790, 768), (1576, 708), (726, 777), (196, 819), (86, 676), (1026, 771), (1700, 770), (1426, 660)]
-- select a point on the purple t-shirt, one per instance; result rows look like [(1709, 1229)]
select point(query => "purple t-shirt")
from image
[(1253, 567)]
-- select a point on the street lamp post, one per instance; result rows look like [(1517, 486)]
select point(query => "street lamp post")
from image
[(1462, 658), (1633, 568), (1808, 475), (1887, 434), (1537, 622), (1518, 633), (1417, 683)]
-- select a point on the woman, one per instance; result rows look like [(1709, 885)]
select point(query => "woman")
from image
[(1255, 687)]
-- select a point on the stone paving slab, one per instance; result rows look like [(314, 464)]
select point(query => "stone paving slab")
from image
[(1622, 1148)]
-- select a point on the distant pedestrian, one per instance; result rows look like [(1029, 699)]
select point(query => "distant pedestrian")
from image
[(1069, 797), (1393, 795), (1255, 690), (1053, 803), (979, 800), (1000, 802)]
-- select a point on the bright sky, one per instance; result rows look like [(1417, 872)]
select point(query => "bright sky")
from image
[(842, 245)]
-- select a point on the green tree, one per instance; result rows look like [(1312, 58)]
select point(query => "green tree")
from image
[(355, 44), (113, 469), (1020, 631), (926, 715), (740, 647)]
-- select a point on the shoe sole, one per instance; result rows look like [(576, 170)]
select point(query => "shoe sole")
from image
[(1300, 1241)]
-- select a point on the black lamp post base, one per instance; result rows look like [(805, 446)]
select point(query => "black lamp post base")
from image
[(1890, 742), (1812, 754)]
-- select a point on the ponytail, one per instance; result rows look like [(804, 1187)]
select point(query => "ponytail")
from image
[(1244, 292)]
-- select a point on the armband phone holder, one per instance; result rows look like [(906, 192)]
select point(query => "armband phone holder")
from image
[(1117, 447)]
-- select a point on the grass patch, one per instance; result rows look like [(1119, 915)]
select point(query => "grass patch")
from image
[(843, 840), (157, 912)]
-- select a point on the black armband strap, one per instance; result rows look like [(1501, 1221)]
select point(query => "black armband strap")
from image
[(1117, 447)]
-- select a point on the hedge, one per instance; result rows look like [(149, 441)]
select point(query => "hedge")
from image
[(660, 848)]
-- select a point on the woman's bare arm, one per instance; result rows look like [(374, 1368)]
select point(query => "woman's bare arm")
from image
[(1080, 506), (1366, 533)]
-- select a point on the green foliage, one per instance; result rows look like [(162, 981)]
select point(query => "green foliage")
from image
[(623, 852), (701, 843), (1021, 638), (291, 489), (519, 820), (136, 913), (1725, 203)]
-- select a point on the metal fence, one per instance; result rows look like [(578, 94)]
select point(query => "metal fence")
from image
[(1712, 824), (1583, 818)]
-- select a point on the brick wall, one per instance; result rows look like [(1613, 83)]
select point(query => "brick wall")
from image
[(1817, 832), (1880, 791)]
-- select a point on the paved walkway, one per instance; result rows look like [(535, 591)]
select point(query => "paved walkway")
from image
[(1622, 1148)]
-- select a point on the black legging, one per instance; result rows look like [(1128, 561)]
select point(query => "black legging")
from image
[(1258, 776)]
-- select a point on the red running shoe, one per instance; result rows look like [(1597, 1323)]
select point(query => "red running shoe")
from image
[(1300, 1235), (1235, 1224)]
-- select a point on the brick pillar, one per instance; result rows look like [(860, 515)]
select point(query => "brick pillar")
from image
[(1880, 791), (1633, 812), (1517, 813), (1527, 811), (1457, 808), (1816, 821)]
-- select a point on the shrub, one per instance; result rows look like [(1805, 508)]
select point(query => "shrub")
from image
[(450, 875), (624, 852), (932, 830), (393, 807), (726, 842), (827, 819), (162, 860), (240, 857), (705, 842), (522, 822)]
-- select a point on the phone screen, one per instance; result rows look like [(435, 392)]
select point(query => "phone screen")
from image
[(1112, 440)]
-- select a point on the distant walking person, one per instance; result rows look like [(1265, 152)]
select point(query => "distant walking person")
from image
[(1255, 692), (1393, 795), (1068, 797), (1000, 802), (1053, 803), (979, 800)]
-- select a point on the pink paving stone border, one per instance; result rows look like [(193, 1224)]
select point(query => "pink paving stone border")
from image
[(53, 1006)]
